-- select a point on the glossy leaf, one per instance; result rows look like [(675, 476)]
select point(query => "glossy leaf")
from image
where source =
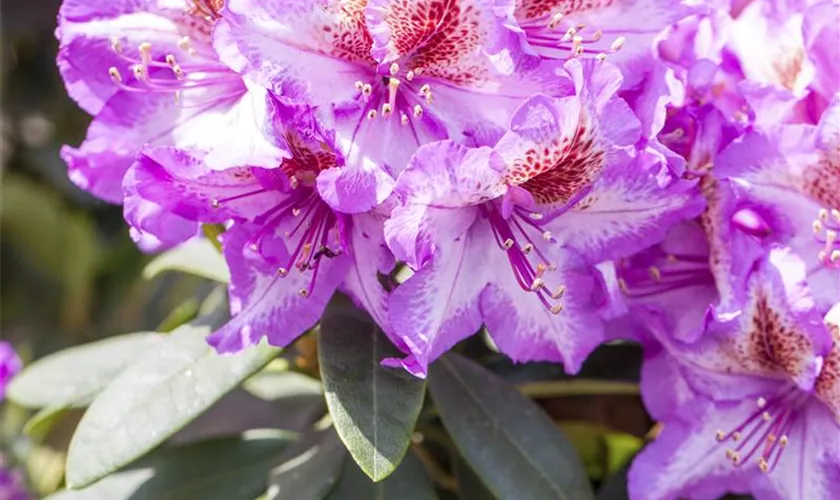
[(374, 408), (510, 443), (74, 376), (408, 482), (197, 256), (309, 469), (155, 397), (218, 469)]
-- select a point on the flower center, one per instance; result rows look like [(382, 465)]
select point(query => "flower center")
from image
[(383, 97), (209, 10), (530, 265), (665, 272), (764, 434), (557, 37), (826, 230)]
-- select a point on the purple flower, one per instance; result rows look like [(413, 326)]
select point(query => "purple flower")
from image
[(671, 280), (12, 484), (754, 405), (10, 365), (559, 185), (623, 30), (147, 71), (386, 75), (782, 187), (288, 249)]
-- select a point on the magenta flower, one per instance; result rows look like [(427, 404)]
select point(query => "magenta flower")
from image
[(754, 405), (386, 75), (559, 185), (782, 186), (623, 30), (12, 482), (147, 71), (10, 365), (287, 249)]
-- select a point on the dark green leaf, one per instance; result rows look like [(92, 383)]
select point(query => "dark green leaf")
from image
[(615, 486), (197, 256), (470, 486), (218, 469), (155, 397), (74, 376), (506, 438), (374, 408), (309, 469), (408, 482)]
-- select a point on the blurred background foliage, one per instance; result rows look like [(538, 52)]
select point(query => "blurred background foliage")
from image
[(70, 274)]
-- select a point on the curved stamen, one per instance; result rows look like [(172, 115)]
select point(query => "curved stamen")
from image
[(564, 39), (512, 237), (827, 232), (665, 273), (765, 432)]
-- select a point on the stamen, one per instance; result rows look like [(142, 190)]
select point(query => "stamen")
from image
[(115, 74), (418, 111), (555, 20), (403, 119), (394, 69), (617, 44)]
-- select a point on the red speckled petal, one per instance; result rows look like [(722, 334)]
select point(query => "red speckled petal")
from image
[(446, 38)]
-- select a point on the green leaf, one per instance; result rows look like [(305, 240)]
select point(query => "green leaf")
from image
[(197, 256), (615, 486), (40, 425), (217, 469), (74, 376), (155, 397), (506, 438), (470, 486), (374, 408), (310, 468), (408, 482)]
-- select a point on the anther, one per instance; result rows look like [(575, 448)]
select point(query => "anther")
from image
[(359, 85), (766, 416), (736, 436), (556, 294), (761, 402), (527, 248), (601, 57), (418, 111), (303, 292), (577, 42), (783, 441), (282, 271), (139, 71), (403, 119), (597, 35), (835, 214), (394, 69), (823, 215), (215, 203), (555, 20), (617, 44), (409, 76), (145, 49), (655, 273), (537, 284), (387, 109), (818, 227), (425, 89), (115, 74), (371, 114), (429, 98), (557, 309), (295, 212), (763, 465), (116, 46), (367, 90), (508, 244), (547, 236), (720, 435), (552, 266), (569, 34), (535, 215)]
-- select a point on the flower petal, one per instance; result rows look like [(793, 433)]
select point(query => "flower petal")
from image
[(263, 303), (525, 330), (626, 211)]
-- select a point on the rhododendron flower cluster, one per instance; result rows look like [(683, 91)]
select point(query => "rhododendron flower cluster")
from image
[(561, 173)]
